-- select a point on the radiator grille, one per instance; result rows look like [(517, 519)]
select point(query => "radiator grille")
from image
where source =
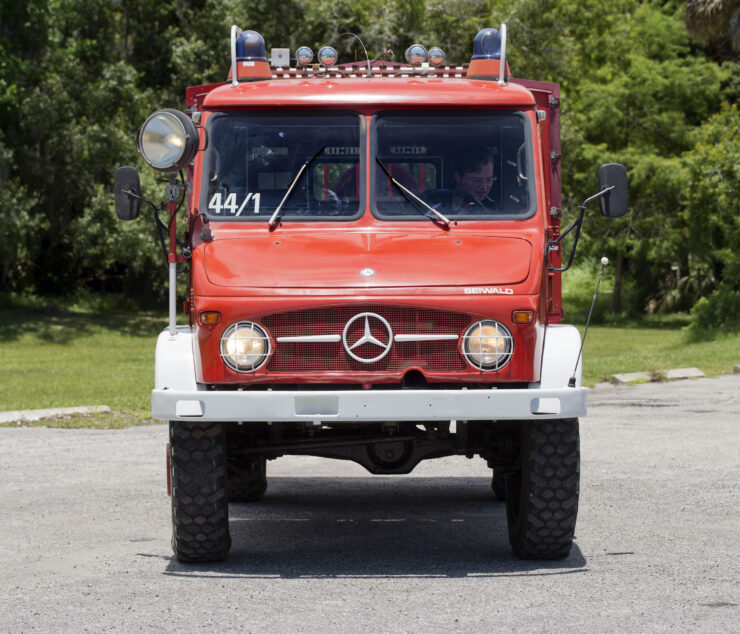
[(434, 356)]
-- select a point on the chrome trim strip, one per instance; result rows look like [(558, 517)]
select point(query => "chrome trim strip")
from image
[(401, 338), (310, 339)]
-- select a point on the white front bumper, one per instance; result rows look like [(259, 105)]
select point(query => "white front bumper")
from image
[(369, 405)]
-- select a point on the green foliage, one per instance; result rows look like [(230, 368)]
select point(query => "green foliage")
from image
[(638, 105), (712, 217), (579, 284)]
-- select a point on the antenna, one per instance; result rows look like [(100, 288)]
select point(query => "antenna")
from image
[(572, 381), (367, 57)]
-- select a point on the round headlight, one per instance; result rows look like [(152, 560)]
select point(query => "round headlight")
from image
[(488, 345), (245, 346), (168, 140)]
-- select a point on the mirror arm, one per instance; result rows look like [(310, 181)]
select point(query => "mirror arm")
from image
[(552, 244), (157, 222), (131, 194), (606, 190)]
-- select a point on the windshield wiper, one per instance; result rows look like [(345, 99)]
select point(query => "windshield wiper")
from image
[(276, 214), (406, 193)]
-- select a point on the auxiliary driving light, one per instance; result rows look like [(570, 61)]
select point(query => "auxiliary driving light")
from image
[(168, 140), (304, 56), (327, 56), (488, 345), (436, 56), (416, 54), (245, 346)]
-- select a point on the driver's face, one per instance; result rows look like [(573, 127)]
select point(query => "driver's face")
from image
[(477, 183)]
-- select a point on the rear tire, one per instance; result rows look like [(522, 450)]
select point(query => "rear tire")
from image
[(200, 511), (498, 484), (542, 497), (247, 479)]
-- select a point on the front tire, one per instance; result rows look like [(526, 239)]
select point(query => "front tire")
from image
[(542, 496), (200, 511)]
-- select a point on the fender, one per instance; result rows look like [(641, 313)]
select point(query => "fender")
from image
[(562, 343), (174, 367)]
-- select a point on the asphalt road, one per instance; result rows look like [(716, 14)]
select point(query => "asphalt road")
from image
[(84, 535)]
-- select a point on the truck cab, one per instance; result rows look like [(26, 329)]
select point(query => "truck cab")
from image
[(374, 275)]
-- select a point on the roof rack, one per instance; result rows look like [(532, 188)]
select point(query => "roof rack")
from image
[(378, 69)]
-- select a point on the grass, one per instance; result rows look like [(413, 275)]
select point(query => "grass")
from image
[(653, 345), (101, 420), (55, 358), (51, 357)]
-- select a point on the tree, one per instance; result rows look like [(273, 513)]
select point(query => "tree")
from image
[(641, 94), (716, 24), (711, 212)]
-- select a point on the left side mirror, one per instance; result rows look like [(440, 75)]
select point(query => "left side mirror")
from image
[(127, 183), (614, 204)]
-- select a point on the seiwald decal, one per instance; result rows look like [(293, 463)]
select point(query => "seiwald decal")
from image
[(488, 290)]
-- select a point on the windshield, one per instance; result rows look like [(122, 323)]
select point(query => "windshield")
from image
[(253, 158), (467, 165)]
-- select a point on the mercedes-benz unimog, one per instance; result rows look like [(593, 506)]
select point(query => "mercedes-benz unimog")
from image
[(373, 252)]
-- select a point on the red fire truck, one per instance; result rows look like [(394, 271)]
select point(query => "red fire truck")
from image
[(374, 261)]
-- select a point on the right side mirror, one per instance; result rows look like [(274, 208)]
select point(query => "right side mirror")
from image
[(614, 204), (127, 183)]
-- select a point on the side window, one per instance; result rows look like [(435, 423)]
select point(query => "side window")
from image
[(514, 181)]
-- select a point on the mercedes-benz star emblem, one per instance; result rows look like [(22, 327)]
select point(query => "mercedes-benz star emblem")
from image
[(367, 337), (367, 273)]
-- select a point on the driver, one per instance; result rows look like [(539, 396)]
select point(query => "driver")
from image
[(474, 178)]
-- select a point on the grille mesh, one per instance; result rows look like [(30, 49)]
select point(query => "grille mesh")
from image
[(434, 356)]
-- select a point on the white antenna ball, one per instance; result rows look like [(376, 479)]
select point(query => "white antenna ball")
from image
[(605, 260)]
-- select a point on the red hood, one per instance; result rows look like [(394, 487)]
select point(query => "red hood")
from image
[(320, 260)]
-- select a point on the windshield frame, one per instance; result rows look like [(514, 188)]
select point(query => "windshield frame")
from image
[(286, 215), (477, 112)]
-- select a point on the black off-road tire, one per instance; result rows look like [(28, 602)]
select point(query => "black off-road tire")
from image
[(247, 479), (200, 510), (542, 498), (498, 484)]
